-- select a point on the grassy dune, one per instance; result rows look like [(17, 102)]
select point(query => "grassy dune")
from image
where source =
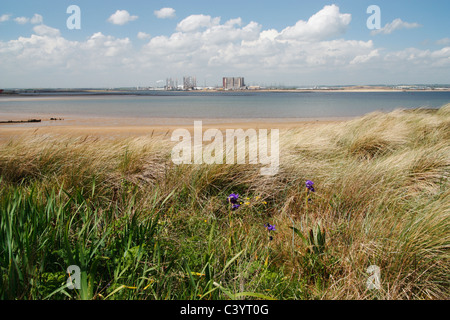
[(140, 227)]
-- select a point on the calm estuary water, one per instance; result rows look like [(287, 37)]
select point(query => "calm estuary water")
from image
[(210, 105)]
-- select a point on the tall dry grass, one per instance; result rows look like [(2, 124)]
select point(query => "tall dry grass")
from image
[(381, 197)]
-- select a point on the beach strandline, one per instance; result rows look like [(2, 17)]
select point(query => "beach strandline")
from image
[(123, 127)]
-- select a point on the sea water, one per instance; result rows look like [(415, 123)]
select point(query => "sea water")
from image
[(217, 105)]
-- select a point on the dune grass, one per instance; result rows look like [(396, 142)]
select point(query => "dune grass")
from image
[(140, 227)]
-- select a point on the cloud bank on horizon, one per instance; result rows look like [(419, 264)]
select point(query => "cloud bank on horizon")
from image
[(311, 51)]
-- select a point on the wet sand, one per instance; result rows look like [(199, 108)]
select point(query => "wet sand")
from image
[(126, 127)]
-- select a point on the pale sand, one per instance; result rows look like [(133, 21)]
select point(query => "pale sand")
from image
[(122, 127)]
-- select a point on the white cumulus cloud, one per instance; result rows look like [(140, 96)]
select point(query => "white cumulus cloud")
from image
[(43, 30), (165, 13), (444, 41), (142, 35), (36, 19), (121, 17), (326, 23), (395, 25), (197, 21), (4, 17), (105, 46), (21, 20)]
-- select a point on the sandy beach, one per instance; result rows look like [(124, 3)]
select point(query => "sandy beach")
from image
[(122, 127)]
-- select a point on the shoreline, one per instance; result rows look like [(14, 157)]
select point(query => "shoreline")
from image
[(16, 123), (116, 128), (90, 93)]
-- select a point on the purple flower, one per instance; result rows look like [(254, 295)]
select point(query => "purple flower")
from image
[(235, 207), (233, 198), (309, 186), (270, 227)]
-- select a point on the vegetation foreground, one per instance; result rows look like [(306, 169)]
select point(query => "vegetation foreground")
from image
[(349, 197)]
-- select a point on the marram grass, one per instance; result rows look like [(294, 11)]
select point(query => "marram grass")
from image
[(140, 227)]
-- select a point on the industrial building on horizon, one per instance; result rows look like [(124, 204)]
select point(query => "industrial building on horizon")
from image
[(233, 83), (189, 83), (171, 84)]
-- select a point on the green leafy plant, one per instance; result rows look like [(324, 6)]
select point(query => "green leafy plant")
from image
[(314, 260), (315, 241)]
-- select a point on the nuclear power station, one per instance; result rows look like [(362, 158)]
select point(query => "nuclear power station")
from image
[(233, 83)]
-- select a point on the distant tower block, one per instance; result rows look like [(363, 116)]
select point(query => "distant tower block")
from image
[(236, 83)]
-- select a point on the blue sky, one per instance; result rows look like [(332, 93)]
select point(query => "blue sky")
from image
[(288, 42)]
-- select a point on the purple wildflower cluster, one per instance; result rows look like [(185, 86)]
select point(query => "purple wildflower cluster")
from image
[(233, 199), (269, 228), (309, 186)]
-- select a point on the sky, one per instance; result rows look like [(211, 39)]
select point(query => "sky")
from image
[(111, 43)]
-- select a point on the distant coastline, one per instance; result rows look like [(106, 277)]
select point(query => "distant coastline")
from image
[(139, 107), (140, 91)]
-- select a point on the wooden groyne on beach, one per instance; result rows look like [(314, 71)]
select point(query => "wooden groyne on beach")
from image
[(21, 121)]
